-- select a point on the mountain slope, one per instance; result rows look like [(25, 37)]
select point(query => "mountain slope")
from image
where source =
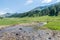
[(51, 10)]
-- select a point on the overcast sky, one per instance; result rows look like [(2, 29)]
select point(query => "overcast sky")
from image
[(22, 5)]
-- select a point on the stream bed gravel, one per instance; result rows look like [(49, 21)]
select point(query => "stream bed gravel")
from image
[(28, 33)]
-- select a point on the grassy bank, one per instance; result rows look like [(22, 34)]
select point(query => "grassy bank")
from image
[(53, 22)]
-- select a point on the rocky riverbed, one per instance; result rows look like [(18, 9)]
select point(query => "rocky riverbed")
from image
[(19, 32)]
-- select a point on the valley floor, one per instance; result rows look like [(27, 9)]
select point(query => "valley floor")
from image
[(52, 22), (30, 28)]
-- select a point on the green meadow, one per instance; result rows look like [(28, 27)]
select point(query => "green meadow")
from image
[(53, 22)]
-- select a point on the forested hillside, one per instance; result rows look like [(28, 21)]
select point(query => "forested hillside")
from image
[(50, 10)]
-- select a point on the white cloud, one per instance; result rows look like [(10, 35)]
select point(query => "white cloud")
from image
[(4, 11), (58, 0), (28, 2), (46, 1)]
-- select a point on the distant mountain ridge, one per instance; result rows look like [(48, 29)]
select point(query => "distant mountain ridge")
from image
[(38, 11), (43, 7)]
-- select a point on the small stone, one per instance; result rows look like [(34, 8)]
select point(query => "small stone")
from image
[(24, 31), (17, 34), (20, 28), (49, 38), (0, 29), (29, 32), (47, 33)]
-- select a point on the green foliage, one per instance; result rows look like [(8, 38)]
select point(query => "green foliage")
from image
[(1, 17)]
